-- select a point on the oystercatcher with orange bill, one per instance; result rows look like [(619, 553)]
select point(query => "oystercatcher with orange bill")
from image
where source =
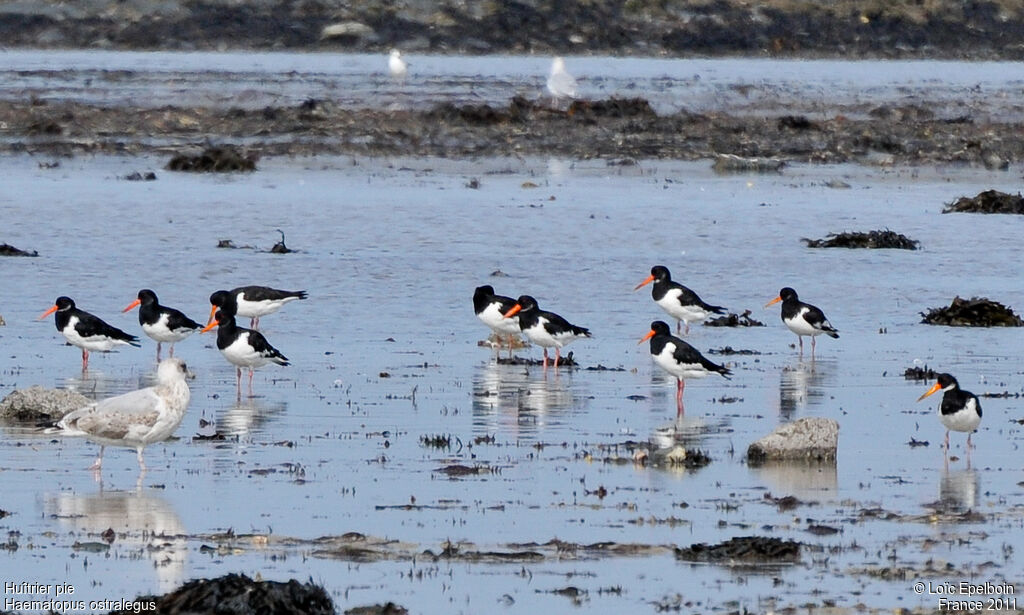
[(491, 309), (960, 410), (546, 329), (678, 301), (161, 323), (679, 359), (803, 318), (82, 329), (252, 301), (243, 347)]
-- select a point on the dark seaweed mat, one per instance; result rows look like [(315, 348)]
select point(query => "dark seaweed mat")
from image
[(871, 240), (213, 160), (988, 202), (747, 549), (7, 249), (973, 312), (237, 594), (734, 320)]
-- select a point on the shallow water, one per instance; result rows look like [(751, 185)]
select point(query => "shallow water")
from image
[(982, 91), (390, 252)]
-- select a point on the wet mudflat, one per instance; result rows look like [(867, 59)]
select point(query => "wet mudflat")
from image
[(341, 467)]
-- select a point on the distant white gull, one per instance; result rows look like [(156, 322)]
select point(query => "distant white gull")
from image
[(560, 83), (134, 419), (398, 67)]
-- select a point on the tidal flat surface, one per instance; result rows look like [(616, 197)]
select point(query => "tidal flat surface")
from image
[(385, 352)]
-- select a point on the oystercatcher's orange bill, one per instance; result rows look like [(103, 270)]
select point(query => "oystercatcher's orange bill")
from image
[(515, 310), (649, 279), (773, 301), (133, 305), (649, 335), (47, 313), (934, 389), (213, 312), (212, 325)]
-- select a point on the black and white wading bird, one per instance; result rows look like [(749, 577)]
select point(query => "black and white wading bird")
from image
[(546, 329), (803, 318), (679, 359), (960, 410), (243, 347), (252, 301), (135, 419), (491, 308), (161, 323), (678, 301), (82, 329)]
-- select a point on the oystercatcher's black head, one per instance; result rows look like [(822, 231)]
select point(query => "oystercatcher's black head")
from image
[(944, 382), (785, 294), (658, 273), (483, 291), (524, 303), (658, 327), (61, 304), (661, 273), (219, 298), (147, 297), (220, 319)]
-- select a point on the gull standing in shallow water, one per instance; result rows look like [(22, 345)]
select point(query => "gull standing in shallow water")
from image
[(82, 329), (134, 419), (398, 67), (560, 83)]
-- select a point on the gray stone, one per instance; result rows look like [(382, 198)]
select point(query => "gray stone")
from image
[(806, 439), (39, 404)]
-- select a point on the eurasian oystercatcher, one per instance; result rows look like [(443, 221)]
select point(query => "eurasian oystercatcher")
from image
[(252, 301), (802, 318), (678, 301), (243, 347), (546, 329), (134, 419), (960, 410), (491, 308), (161, 323), (82, 329), (679, 359)]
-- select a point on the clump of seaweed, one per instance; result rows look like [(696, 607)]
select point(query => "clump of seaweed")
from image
[(973, 312), (988, 202), (873, 240)]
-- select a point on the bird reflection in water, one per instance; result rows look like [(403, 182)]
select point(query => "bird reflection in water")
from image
[(248, 416), (958, 491), (144, 525), (516, 401), (801, 385)]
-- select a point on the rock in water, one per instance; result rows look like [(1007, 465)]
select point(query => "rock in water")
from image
[(806, 439), (37, 404)]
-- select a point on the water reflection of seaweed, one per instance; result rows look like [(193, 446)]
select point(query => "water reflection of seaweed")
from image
[(248, 416), (99, 385), (145, 524), (801, 385), (504, 395)]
